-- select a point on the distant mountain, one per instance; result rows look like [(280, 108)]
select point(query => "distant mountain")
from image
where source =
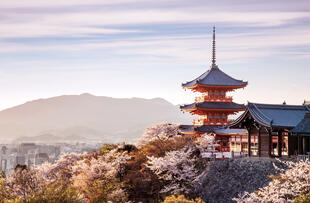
[(86, 116)]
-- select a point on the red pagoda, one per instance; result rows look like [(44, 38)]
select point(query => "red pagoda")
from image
[(213, 106)]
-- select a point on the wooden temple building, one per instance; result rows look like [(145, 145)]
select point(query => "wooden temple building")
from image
[(213, 106), (275, 130), (302, 132)]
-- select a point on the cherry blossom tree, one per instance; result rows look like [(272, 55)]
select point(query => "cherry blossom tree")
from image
[(109, 165), (182, 168), (177, 168), (160, 132), (98, 177), (61, 169), (28, 182), (206, 143), (80, 177)]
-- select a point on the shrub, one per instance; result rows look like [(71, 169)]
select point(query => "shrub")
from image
[(303, 199), (106, 148), (181, 199), (56, 192)]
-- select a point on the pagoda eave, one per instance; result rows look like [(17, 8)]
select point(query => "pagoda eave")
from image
[(201, 111), (198, 130), (188, 130), (194, 132), (219, 110), (202, 88)]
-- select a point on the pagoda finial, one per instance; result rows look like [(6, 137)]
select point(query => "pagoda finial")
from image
[(213, 48)]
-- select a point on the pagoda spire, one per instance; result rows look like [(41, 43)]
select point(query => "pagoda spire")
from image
[(213, 48)]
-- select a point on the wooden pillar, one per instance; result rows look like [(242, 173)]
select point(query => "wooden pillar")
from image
[(259, 142), (280, 144), (308, 143), (299, 144), (289, 144), (249, 142), (269, 142), (304, 145)]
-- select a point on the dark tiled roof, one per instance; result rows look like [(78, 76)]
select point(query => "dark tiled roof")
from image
[(214, 105), (229, 131), (215, 77), (208, 128), (303, 126), (186, 128), (203, 128), (271, 115)]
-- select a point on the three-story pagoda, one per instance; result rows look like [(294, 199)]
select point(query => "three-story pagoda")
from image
[(213, 106)]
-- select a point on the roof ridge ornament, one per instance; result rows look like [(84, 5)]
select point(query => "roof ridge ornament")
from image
[(213, 49)]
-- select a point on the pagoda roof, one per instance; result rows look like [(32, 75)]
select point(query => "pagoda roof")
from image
[(213, 105), (215, 77), (273, 115), (203, 128), (211, 129), (208, 128), (303, 127)]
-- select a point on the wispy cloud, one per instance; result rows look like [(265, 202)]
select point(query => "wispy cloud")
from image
[(75, 35)]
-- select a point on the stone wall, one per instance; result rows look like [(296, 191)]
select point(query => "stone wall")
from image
[(226, 179)]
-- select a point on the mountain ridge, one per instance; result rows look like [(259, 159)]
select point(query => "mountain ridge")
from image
[(88, 116)]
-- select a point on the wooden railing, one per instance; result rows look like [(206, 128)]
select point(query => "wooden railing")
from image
[(211, 121), (303, 157), (213, 98)]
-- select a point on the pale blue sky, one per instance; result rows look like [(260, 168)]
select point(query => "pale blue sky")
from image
[(147, 48)]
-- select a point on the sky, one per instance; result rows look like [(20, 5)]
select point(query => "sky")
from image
[(147, 48)]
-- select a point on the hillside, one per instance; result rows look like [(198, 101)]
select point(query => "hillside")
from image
[(86, 116)]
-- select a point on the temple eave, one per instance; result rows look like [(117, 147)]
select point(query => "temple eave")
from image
[(213, 107), (201, 87), (194, 130), (221, 86), (223, 110)]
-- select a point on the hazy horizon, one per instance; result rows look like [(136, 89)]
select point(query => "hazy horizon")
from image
[(146, 49)]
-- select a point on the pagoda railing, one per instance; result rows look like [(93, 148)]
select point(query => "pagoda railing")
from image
[(213, 98), (219, 121)]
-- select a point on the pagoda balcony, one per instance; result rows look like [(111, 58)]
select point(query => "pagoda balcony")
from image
[(199, 122), (213, 98)]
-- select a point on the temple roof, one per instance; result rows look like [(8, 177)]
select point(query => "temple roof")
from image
[(213, 105), (228, 131), (272, 115), (211, 129), (303, 126), (203, 128), (215, 77)]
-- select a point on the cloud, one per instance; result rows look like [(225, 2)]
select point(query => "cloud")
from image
[(98, 17), (150, 16), (60, 3), (174, 48), (32, 30)]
